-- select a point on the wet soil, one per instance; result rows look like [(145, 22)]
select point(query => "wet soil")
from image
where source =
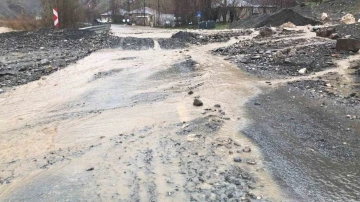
[(26, 56), (309, 143), (274, 58), (127, 130)]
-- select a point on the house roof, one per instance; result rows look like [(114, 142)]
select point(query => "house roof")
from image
[(121, 12), (148, 11), (240, 3)]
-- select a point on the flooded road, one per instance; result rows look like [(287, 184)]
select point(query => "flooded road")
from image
[(121, 125)]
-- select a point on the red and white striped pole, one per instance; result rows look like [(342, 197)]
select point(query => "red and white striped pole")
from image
[(56, 17)]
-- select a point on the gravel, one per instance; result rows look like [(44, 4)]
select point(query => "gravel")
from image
[(278, 58), (276, 19), (27, 56)]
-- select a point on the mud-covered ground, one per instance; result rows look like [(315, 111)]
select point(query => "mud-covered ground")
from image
[(271, 57), (139, 121), (27, 56), (122, 125), (310, 143), (307, 124)]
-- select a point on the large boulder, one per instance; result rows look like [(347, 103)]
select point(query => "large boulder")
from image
[(348, 45), (324, 17), (325, 31), (266, 32), (348, 19)]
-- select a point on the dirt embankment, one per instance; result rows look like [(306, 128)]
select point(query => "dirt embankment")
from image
[(274, 58), (182, 39)]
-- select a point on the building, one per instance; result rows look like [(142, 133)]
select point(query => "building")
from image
[(236, 10), (142, 16)]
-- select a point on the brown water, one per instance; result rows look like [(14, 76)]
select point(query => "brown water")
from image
[(123, 125)]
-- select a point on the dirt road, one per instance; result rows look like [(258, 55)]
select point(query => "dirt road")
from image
[(120, 125)]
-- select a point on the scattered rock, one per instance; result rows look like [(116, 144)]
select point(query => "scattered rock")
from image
[(348, 45), (237, 159), (334, 36), (348, 19), (288, 25), (324, 17), (190, 92), (303, 71), (266, 32), (325, 32), (198, 103), (247, 149), (217, 105), (90, 169), (251, 162)]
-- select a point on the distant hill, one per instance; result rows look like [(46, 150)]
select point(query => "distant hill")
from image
[(13, 8)]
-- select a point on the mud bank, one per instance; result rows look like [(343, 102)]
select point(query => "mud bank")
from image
[(183, 39), (279, 58), (309, 144)]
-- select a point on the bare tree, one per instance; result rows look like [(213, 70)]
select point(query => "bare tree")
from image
[(71, 12)]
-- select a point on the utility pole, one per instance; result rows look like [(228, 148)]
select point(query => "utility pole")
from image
[(144, 14), (158, 11)]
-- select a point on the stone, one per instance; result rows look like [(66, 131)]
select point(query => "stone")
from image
[(348, 19), (324, 17), (287, 60), (1, 91), (198, 103), (90, 169), (190, 92), (44, 62), (255, 57), (217, 105), (48, 69), (325, 32), (237, 159), (328, 85), (266, 32), (247, 149), (288, 25), (303, 71), (251, 162), (348, 45), (334, 36)]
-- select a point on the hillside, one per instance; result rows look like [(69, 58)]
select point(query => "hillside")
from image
[(13, 8)]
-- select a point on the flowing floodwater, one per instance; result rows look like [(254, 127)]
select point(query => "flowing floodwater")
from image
[(119, 125)]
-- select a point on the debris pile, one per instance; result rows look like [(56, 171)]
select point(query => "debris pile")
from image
[(333, 86), (283, 57), (277, 19)]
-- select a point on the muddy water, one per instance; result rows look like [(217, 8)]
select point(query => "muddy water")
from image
[(106, 128)]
